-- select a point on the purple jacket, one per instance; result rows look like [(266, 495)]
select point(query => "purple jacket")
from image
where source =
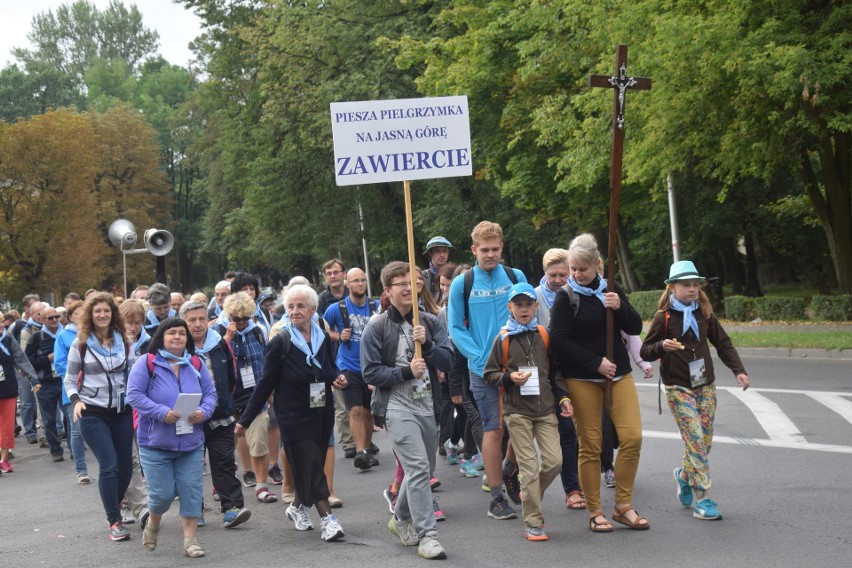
[(153, 397)]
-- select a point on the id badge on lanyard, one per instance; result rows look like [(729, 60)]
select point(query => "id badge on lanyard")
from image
[(247, 376), (317, 395), (697, 373), (531, 387)]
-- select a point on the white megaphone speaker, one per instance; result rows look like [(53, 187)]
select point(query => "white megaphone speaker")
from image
[(159, 242), (122, 232)]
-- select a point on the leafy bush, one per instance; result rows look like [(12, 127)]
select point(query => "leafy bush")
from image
[(780, 308), (832, 308), (739, 308), (646, 302)]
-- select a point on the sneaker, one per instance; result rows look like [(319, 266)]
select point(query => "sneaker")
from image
[(501, 510), (431, 549), (706, 510), (349, 453), (6, 467), (275, 474), (477, 462), (451, 452), (485, 486), (57, 457), (118, 531), (390, 497), (434, 483), (249, 479), (362, 461), (439, 514), (373, 461), (684, 491), (83, 479), (467, 468), (513, 486), (609, 478), (215, 494), (299, 517), (331, 529), (235, 516), (32, 440), (536, 534), (373, 449), (42, 442), (143, 518), (201, 521), (403, 531), (127, 517)]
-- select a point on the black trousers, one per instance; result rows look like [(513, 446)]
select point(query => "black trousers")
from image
[(220, 451), (307, 459)]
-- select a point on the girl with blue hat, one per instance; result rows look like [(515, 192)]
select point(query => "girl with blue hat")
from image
[(678, 336)]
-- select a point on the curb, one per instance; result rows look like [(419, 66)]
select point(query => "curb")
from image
[(840, 354)]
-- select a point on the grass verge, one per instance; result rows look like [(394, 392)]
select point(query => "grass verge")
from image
[(816, 339)]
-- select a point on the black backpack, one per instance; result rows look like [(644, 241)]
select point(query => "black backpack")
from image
[(344, 311), (468, 288)]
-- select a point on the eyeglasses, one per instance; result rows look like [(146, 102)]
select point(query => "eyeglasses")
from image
[(402, 285), (52, 317)]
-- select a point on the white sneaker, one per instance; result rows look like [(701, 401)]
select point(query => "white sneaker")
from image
[(331, 529), (403, 531), (127, 517), (299, 517), (431, 549)]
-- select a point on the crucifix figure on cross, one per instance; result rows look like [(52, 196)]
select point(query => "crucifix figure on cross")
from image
[(620, 83)]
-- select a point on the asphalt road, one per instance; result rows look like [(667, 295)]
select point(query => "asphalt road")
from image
[(780, 467)]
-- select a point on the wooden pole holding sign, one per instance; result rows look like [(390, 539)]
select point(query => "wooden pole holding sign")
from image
[(619, 82), (412, 262)]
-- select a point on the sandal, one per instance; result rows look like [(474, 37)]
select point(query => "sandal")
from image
[(265, 496), (577, 504), (193, 550), (636, 524), (597, 526), (149, 537)]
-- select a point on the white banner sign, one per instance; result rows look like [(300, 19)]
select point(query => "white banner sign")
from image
[(403, 139)]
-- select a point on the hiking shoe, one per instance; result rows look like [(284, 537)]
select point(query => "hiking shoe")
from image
[(501, 510), (299, 517), (275, 474), (434, 483), (373, 449), (477, 462), (439, 514), (485, 486), (331, 529), (349, 453), (536, 534), (706, 510), (362, 461), (117, 531), (57, 457), (431, 549), (609, 478), (684, 491), (390, 497), (235, 516), (403, 531), (513, 486), (452, 453), (467, 468), (249, 479), (83, 479), (127, 517)]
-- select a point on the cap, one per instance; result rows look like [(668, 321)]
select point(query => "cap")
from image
[(683, 270), (265, 296), (522, 289), (437, 242)]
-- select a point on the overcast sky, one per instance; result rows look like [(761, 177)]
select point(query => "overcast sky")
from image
[(176, 25)]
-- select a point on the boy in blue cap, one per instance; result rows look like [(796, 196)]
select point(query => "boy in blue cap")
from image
[(519, 365)]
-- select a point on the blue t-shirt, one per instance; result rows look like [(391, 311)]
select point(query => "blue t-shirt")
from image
[(349, 353)]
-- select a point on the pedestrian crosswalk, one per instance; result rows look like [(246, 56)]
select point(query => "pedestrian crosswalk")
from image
[(778, 429)]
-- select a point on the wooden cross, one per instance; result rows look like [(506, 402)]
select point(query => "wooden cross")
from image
[(620, 83)]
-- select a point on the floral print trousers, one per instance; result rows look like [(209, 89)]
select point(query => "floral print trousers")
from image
[(693, 411)]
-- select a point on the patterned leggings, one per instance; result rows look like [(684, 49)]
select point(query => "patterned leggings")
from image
[(694, 410)]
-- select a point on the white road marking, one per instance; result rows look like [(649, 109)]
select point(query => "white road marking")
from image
[(756, 442), (840, 405)]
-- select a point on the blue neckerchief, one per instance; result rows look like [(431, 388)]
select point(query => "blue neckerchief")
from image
[(688, 310), (317, 337), (512, 327), (586, 291), (96, 347), (143, 337), (152, 319), (53, 335), (32, 323), (185, 359), (547, 294), (210, 342), (218, 310), (262, 321), (2, 345), (434, 269)]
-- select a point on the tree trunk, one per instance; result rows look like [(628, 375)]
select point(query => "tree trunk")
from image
[(628, 277), (752, 281)]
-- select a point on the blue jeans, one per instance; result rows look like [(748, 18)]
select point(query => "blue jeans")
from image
[(28, 408), (171, 474), (49, 397), (75, 439), (487, 398), (111, 441)]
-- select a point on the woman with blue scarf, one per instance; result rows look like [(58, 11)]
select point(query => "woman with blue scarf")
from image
[(95, 381), (171, 445), (578, 334), (300, 367)]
